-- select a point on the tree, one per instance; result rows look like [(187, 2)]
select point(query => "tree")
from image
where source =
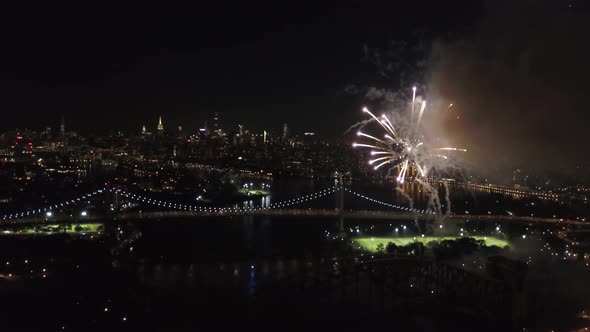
[(391, 248), (432, 244), (380, 248)]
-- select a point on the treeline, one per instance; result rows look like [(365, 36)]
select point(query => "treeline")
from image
[(441, 250)]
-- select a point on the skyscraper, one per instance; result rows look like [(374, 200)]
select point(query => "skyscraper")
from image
[(62, 140), (285, 132), (160, 125), (216, 127), (62, 128)]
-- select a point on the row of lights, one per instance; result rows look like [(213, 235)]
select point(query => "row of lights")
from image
[(49, 213), (185, 207), (499, 189), (388, 204), (47, 210), (293, 201)]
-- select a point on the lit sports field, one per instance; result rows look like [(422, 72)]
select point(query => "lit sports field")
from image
[(370, 243), (55, 229), (254, 192)]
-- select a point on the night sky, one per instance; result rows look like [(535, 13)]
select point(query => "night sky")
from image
[(512, 68), (260, 66)]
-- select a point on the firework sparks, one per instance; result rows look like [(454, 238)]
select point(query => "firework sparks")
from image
[(401, 145)]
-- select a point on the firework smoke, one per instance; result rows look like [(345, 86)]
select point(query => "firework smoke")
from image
[(406, 196), (447, 199), (407, 147)]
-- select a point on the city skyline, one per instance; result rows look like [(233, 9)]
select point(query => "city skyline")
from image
[(320, 67)]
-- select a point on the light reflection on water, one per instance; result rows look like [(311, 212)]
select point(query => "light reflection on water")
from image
[(240, 275), (203, 252)]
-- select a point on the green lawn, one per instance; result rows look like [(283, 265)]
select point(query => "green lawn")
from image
[(370, 243), (254, 192), (55, 229)]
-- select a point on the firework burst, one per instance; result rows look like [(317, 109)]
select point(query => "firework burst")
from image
[(403, 143)]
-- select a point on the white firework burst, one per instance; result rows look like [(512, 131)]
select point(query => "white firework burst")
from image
[(404, 143)]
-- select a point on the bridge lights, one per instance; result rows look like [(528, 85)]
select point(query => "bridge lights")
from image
[(49, 214), (83, 213)]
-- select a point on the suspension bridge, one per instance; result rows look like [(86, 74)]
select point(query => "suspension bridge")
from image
[(161, 208), (176, 208)]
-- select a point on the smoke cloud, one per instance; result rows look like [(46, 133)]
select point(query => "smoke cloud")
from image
[(518, 86)]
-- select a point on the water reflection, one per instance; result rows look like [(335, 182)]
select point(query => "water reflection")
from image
[(241, 275)]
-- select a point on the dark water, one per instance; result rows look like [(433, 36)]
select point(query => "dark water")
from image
[(233, 239), (210, 273)]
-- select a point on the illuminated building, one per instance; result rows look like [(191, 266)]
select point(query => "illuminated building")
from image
[(309, 138), (160, 125), (21, 146), (62, 129), (216, 127), (62, 132), (285, 132)]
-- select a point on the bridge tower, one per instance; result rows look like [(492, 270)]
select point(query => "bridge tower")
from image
[(339, 185)]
